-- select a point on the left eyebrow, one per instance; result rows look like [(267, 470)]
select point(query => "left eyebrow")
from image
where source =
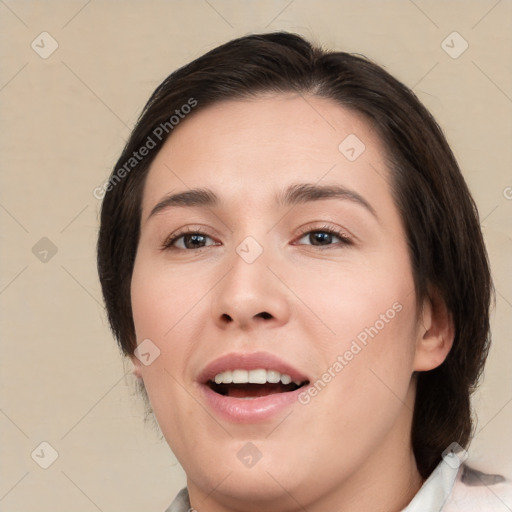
[(305, 192)]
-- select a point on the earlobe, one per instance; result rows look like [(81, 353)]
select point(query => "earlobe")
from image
[(136, 367), (436, 333)]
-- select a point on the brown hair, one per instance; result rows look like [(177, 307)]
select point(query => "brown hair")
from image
[(439, 215)]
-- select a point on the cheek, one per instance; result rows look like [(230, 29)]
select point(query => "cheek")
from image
[(162, 308), (364, 331), (373, 354), (365, 382), (161, 297), (356, 301)]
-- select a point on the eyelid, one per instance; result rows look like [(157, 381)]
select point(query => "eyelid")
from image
[(347, 238), (175, 235)]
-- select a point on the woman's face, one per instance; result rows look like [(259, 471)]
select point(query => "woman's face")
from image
[(299, 267)]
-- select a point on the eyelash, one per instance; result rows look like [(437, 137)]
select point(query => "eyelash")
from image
[(176, 236), (328, 229)]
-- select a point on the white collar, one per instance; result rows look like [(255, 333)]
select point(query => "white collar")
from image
[(436, 490)]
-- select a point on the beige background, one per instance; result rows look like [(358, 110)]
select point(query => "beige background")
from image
[(64, 120)]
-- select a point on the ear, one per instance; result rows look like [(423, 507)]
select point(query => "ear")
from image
[(137, 365), (436, 333)]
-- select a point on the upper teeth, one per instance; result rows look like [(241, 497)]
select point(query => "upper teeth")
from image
[(259, 376)]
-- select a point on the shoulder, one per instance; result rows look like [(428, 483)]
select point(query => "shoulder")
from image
[(478, 491)]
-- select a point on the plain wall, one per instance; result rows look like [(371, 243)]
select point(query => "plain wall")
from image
[(63, 123)]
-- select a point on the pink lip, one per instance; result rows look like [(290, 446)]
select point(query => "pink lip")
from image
[(239, 410)]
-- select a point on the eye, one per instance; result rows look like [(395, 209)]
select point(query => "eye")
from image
[(188, 240), (324, 237)]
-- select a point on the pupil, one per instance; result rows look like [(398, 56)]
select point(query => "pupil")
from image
[(193, 240), (321, 237)]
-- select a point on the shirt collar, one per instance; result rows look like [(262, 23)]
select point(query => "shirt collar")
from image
[(436, 490)]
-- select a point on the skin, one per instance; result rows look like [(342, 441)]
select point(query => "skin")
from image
[(349, 447)]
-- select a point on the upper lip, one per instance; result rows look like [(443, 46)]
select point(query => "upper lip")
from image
[(249, 361)]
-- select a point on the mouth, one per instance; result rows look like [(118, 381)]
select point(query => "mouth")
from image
[(248, 388), (250, 384)]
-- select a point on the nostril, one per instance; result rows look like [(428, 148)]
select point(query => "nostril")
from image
[(264, 315)]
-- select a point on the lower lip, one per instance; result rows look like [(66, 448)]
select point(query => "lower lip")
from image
[(239, 410)]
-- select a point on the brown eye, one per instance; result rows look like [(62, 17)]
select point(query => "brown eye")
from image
[(320, 238), (323, 238), (189, 241)]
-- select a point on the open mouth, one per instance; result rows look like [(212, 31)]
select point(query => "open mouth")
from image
[(253, 384), (252, 390)]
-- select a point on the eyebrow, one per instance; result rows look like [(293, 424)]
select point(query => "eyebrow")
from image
[(306, 192), (298, 193), (194, 197)]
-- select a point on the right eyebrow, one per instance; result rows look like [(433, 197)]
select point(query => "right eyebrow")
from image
[(194, 197)]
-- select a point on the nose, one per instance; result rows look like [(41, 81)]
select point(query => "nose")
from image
[(250, 296)]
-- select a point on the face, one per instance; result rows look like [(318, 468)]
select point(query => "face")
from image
[(293, 266)]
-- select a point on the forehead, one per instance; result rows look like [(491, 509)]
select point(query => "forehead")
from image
[(254, 148)]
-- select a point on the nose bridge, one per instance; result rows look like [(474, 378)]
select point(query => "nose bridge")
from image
[(250, 293)]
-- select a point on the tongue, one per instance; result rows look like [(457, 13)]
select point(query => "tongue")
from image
[(255, 390)]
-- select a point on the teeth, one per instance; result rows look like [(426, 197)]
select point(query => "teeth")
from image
[(240, 376), (227, 378), (259, 376), (286, 379), (224, 378), (273, 376)]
